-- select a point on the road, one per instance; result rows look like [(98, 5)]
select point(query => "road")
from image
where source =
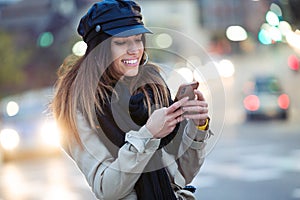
[(43, 179), (251, 160), (258, 160)]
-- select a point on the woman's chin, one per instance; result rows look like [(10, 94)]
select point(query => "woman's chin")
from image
[(132, 72)]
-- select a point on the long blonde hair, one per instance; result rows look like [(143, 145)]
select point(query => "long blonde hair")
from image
[(81, 80)]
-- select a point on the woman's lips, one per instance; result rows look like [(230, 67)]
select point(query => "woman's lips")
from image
[(130, 62)]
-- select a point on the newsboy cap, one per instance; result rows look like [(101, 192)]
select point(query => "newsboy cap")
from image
[(112, 17)]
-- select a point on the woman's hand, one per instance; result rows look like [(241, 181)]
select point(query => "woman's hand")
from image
[(163, 121), (197, 109)]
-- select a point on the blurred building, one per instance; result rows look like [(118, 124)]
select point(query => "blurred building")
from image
[(217, 15), (294, 6), (181, 16), (40, 33), (206, 20), (38, 16)]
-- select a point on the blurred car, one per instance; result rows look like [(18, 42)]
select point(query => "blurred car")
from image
[(26, 128), (265, 98)]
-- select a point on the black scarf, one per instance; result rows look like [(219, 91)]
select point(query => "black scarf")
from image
[(115, 122)]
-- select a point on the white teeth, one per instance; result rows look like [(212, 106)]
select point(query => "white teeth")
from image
[(130, 61)]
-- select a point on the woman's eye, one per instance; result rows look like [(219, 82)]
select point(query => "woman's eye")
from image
[(119, 43)]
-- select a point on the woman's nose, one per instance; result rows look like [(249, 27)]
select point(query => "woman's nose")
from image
[(133, 48)]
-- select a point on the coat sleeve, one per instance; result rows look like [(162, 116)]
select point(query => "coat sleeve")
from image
[(189, 156), (110, 177), (191, 152)]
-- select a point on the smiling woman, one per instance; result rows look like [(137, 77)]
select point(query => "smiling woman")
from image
[(127, 54), (118, 120)]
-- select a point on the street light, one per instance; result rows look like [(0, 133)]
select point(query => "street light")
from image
[(236, 33)]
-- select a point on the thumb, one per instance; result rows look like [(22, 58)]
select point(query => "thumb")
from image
[(199, 95)]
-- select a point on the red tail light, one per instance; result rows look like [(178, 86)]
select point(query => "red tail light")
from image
[(293, 62), (251, 103), (284, 101)]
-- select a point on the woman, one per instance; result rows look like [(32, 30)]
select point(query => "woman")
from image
[(119, 123)]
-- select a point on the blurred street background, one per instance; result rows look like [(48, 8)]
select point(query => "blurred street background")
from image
[(253, 44)]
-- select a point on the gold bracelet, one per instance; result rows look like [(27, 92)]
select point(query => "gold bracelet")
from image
[(203, 127)]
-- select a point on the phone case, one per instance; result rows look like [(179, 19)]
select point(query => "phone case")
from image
[(187, 90)]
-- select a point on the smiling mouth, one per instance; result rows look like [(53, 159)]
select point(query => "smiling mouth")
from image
[(130, 62)]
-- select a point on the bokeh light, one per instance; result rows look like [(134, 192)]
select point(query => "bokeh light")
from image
[(284, 27), (293, 39), (284, 101), (272, 18), (45, 39), (50, 133), (12, 108), (276, 9), (164, 40), (186, 73), (236, 33), (293, 62), (226, 68), (9, 139), (79, 48), (264, 37), (275, 34), (251, 103)]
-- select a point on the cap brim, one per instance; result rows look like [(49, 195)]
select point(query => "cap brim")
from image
[(127, 31)]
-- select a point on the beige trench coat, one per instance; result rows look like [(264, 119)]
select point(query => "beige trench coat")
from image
[(113, 177)]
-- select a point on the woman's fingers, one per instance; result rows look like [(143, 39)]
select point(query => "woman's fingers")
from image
[(197, 116), (175, 116), (162, 121), (175, 106), (195, 109), (196, 103)]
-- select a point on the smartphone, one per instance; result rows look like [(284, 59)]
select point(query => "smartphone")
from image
[(186, 90)]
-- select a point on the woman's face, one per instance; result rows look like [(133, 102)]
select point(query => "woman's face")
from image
[(127, 53)]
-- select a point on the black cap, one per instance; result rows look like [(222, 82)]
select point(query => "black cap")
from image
[(112, 17)]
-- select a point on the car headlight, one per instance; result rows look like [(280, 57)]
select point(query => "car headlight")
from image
[(9, 139), (50, 134)]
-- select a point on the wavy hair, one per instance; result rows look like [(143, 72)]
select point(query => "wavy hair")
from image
[(85, 83)]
